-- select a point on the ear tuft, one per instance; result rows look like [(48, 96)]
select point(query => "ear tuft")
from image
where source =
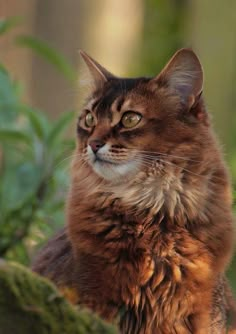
[(99, 74), (184, 75)]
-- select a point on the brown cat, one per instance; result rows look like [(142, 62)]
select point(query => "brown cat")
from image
[(149, 221)]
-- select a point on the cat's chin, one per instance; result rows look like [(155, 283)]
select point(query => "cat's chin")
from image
[(114, 172)]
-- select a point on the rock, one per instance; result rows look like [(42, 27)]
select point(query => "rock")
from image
[(31, 304)]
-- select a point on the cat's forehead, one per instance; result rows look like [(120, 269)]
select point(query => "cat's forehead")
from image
[(119, 95)]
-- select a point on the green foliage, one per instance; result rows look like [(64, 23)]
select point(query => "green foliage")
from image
[(9, 98), (49, 54), (33, 181), (6, 25)]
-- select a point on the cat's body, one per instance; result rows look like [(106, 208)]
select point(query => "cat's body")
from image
[(149, 231)]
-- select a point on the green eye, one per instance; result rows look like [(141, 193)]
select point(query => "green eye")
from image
[(89, 120), (130, 119)]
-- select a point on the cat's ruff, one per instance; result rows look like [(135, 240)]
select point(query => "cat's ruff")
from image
[(149, 229)]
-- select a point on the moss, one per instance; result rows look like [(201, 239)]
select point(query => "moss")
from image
[(31, 304)]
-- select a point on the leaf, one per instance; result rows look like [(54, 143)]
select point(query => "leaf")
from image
[(60, 126), (69, 144), (3, 69), (36, 120), (19, 184), (8, 24), (8, 98), (14, 136), (49, 54)]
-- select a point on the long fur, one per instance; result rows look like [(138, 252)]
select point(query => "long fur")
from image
[(148, 245)]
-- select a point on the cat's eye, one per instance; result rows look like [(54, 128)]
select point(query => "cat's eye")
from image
[(130, 119), (89, 120)]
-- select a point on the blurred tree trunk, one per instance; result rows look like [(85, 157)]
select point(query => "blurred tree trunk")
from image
[(113, 36), (164, 23), (108, 29), (110, 37), (59, 24), (18, 60), (212, 27), (111, 33)]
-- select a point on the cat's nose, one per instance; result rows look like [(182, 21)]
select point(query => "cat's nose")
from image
[(96, 144)]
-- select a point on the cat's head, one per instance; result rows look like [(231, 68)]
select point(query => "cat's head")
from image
[(132, 125)]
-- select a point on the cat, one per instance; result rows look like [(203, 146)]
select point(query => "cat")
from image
[(149, 230)]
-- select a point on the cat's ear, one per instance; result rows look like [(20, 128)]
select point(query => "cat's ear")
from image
[(184, 75), (99, 74)]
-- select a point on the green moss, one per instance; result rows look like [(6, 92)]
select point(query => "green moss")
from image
[(31, 304)]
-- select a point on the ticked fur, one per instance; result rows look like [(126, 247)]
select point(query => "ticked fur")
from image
[(149, 223)]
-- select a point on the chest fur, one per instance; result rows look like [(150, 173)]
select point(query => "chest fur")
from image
[(126, 266), (130, 255)]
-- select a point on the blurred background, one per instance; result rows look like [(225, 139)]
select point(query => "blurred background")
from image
[(40, 72)]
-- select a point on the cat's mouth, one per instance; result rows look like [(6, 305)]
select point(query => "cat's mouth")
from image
[(110, 167), (112, 170), (104, 161)]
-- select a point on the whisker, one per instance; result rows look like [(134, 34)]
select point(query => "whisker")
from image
[(70, 157), (191, 172), (149, 162), (151, 153), (173, 164), (183, 168), (81, 157), (144, 161)]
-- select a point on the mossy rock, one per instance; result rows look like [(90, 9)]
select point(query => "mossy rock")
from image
[(31, 304)]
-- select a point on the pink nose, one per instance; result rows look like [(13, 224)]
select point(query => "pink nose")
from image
[(96, 145)]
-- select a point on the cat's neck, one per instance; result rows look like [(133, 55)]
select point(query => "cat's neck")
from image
[(172, 193)]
